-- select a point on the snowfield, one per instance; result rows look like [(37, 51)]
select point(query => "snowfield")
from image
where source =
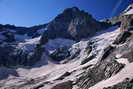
[(52, 70), (29, 44), (57, 43)]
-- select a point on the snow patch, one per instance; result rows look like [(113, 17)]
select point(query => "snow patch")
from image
[(29, 44), (105, 38), (123, 61), (129, 12), (118, 55), (57, 43)]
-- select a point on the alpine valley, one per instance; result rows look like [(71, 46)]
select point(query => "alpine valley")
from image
[(73, 51)]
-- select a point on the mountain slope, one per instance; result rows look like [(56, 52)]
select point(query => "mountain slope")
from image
[(73, 51)]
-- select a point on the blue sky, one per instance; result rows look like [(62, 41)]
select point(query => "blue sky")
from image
[(33, 12)]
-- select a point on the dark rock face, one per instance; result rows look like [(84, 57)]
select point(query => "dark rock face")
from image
[(11, 56), (127, 22), (122, 37), (30, 31), (36, 54), (63, 85), (60, 54), (72, 24), (9, 36), (116, 20), (126, 49)]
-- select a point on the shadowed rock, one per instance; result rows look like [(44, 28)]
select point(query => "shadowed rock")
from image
[(73, 24)]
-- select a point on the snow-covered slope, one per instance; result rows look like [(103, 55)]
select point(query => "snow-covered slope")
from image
[(43, 57), (54, 70)]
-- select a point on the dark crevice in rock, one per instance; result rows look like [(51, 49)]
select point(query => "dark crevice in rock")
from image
[(107, 51), (63, 85), (122, 37)]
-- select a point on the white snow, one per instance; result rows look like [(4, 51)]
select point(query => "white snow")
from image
[(41, 31), (129, 12), (29, 44), (45, 67), (118, 55), (123, 61), (57, 43), (56, 70), (105, 38)]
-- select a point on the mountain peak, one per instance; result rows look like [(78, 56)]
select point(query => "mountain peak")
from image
[(73, 9), (74, 24)]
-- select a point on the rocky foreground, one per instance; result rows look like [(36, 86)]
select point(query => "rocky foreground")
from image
[(73, 51)]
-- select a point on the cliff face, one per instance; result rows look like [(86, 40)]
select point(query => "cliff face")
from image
[(73, 24), (127, 22)]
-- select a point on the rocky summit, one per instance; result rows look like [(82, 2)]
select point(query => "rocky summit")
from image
[(73, 51), (73, 24)]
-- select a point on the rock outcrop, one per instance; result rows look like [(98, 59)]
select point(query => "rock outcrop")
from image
[(16, 47), (108, 65), (105, 68), (63, 85), (12, 56), (73, 24), (127, 22)]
